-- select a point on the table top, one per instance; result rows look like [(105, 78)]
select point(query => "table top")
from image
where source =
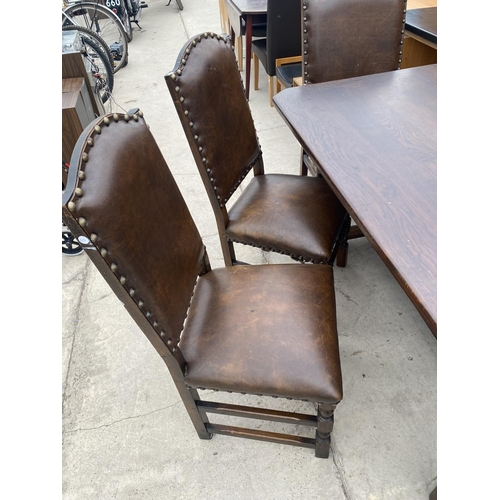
[(245, 7), (423, 22), (374, 139)]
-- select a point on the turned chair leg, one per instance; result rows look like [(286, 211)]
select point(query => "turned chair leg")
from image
[(239, 49), (324, 430)]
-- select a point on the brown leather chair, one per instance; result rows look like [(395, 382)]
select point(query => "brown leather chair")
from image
[(265, 330), (290, 214), (348, 38)]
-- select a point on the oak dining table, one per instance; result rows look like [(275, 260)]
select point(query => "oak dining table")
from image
[(374, 140)]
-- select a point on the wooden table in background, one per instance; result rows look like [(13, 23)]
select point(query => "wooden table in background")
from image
[(374, 140), (247, 9), (420, 39)]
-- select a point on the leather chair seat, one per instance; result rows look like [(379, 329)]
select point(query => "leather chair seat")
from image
[(267, 330), (287, 72), (298, 215)]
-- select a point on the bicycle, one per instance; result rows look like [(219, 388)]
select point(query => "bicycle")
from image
[(97, 63), (103, 21), (179, 4), (128, 11)]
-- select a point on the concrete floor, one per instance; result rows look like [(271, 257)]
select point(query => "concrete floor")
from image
[(126, 433)]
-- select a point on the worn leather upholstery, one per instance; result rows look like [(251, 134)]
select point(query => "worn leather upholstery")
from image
[(132, 206), (207, 91), (278, 208), (348, 38), (264, 330), (268, 329)]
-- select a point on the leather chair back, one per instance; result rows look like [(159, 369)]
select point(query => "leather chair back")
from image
[(208, 94), (348, 38), (122, 199)]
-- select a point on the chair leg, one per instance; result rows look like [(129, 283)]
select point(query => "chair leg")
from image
[(324, 430), (255, 72), (343, 245), (278, 85), (227, 251), (270, 80), (303, 166), (198, 418), (239, 50)]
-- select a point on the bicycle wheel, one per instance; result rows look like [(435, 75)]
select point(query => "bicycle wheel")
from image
[(106, 24), (120, 8), (100, 68), (179, 4), (95, 37)]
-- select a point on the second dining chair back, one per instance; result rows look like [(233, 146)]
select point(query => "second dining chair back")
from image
[(291, 214), (348, 38)]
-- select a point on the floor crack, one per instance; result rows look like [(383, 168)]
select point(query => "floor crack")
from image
[(121, 420)]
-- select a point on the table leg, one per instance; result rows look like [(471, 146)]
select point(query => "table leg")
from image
[(248, 55)]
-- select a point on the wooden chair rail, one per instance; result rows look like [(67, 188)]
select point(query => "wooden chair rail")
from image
[(274, 437), (257, 413)]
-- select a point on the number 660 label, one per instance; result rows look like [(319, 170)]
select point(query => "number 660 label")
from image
[(113, 3)]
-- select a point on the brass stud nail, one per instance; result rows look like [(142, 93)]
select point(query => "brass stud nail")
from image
[(81, 175), (183, 61), (104, 252), (116, 117), (186, 112), (113, 265), (148, 314), (79, 192), (97, 129), (204, 160), (140, 113), (71, 206), (141, 303), (173, 76), (131, 292), (191, 124), (82, 221), (188, 51), (162, 334), (136, 118), (85, 157), (179, 72), (177, 89), (90, 142), (195, 137), (155, 324), (200, 149), (106, 120), (126, 117), (181, 99), (169, 342), (123, 280)]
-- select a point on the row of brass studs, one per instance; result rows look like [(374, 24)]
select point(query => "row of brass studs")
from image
[(299, 258), (83, 222), (254, 394), (175, 76), (305, 41)]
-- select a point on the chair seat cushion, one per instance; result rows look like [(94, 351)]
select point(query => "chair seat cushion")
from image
[(266, 330), (292, 214), (287, 72)]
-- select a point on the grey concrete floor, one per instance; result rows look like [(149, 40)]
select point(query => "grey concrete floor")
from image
[(126, 433)]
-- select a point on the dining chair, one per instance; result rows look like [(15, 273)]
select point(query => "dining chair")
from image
[(283, 39), (287, 70), (344, 39), (291, 214), (267, 330), (237, 27)]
